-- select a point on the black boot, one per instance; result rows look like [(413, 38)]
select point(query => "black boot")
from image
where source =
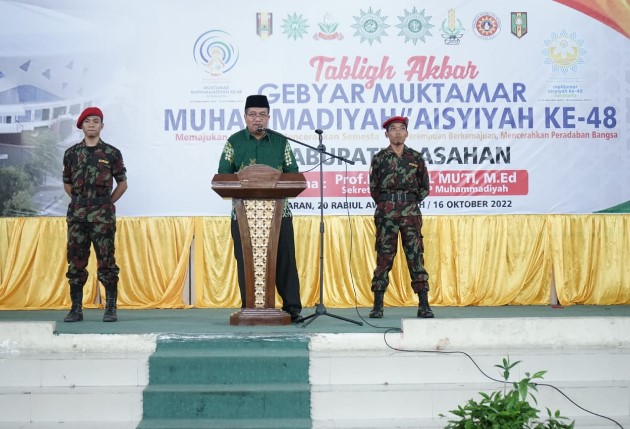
[(76, 311), (111, 294), (377, 309), (424, 311)]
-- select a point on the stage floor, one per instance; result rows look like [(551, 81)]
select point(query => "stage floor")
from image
[(216, 321), (585, 353)]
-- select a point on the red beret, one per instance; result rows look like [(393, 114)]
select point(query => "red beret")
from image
[(396, 119), (89, 111)]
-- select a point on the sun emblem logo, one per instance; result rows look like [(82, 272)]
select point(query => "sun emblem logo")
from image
[(370, 26), (487, 25), (415, 26), (294, 26), (564, 52), (215, 52)]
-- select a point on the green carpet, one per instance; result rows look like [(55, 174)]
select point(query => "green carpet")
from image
[(217, 320), (228, 382)]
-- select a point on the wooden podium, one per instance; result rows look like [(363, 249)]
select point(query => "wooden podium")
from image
[(259, 193)]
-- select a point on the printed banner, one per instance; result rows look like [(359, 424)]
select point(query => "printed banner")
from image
[(515, 110)]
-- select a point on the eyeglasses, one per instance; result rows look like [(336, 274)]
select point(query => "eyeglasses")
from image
[(253, 115)]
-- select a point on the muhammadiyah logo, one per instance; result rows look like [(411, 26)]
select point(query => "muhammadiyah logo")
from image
[(215, 52), (370, 26), (415, 26)]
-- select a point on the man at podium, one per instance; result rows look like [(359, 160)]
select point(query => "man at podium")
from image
[(253, 145)]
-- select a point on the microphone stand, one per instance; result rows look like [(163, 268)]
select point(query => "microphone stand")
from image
[(320, 309)]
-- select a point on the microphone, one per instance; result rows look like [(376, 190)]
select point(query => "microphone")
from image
[(320, 132), (270, 131)]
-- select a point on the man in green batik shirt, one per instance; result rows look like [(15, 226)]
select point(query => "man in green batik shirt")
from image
[(253, 145), (399, 181), (89, 170)]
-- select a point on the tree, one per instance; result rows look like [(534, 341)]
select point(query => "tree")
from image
[(15, 183), (46, 157)]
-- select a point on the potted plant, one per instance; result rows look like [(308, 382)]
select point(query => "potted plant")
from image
[(508, 408)]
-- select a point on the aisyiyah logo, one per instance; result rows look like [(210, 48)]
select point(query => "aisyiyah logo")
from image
[(564, 51), (215, 52)]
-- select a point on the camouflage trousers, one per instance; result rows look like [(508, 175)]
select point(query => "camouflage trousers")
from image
[(387, 231), (80, 236)]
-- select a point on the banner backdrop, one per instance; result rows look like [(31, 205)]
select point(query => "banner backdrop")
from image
[(518, 107)]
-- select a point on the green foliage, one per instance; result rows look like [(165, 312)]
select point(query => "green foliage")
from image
[(46, 155), (20, 183), (507, 409), (20, 204), (15, 184)]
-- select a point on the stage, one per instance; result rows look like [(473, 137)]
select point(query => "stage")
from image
[(395, 372), (216, 321)]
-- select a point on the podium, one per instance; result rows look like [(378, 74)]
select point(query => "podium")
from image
[(259, 194)]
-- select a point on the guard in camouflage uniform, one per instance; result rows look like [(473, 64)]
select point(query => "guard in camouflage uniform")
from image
[(89, 169), (399, 181)]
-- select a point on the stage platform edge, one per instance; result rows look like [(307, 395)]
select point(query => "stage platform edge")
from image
[(352, 374)]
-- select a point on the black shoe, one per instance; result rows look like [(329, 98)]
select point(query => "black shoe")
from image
[(377, 309), (425, 313), (296, 317), (75, 315), (424, 309), (110, 305), (110, 315), (376, 313)]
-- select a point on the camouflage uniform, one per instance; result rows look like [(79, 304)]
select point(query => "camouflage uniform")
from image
[(91, 215), (398, 184)]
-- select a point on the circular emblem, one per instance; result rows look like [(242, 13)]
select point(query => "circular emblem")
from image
[(414, 26), (295, 26), (564, 51), (215, 52), (487, 25), (370, 26)]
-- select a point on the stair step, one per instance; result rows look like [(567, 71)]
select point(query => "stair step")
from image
[(91, 424), (227, 388), (232, 343), (65, 404), (581, 422), (228, 367), (225, 424), (73, 369), (262, 401), (226, 381)]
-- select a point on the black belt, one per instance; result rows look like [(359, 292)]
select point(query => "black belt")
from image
[(89, 201), (398, 197)]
